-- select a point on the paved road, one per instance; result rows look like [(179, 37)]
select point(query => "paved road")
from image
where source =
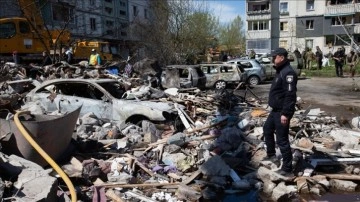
[(336, 96)]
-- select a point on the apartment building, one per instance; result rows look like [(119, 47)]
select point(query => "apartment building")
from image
[(108, 20), (299, 24)]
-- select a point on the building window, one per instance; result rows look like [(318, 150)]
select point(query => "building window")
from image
[(284, 26), (309, 43), (108, 10), (92, 2), (110, 32), (145, 13), (122, 4), (258, 25), (109, 23), (309, 24), (123, 33), (135, 11), (283, 44), (338, 21), (284, 7), (62, 13), (109, 1), (123, 13), (93, 24), (310, 5), (263, 25)]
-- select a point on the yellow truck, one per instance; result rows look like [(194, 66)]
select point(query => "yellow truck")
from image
[(29, 37)]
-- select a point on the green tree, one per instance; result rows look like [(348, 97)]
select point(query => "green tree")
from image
[(232, 36)]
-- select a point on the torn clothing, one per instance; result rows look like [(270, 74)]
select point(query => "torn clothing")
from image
[(282, 95)]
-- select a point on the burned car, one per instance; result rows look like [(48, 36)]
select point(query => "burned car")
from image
[(103, 97), (183, 76), (219, 76)]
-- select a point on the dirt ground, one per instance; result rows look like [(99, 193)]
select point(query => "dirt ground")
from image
[(338, 97)]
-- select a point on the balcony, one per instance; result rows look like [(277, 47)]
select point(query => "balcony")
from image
[(261, 12), (357, 29), (342, 9), (258, 34), (259, 17)]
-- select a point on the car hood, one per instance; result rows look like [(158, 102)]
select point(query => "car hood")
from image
[(168, 107)]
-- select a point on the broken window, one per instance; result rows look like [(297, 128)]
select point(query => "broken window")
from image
[(108, 10), (184, 73), (7, 30), (335, 21), (309, 24), (83, 90), (24, 27), (62, 13), (283, 26), (114, 88), (246, 65)]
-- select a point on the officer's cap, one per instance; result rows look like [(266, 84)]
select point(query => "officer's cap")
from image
[(279, 51)]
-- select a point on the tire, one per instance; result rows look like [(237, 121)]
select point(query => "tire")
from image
[(219, 85), (253, 80)]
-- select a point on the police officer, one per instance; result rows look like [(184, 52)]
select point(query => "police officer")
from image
[(282, 99)]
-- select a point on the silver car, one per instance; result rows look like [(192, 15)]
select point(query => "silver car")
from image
[(266, 61), (255, 72), (103, 97)]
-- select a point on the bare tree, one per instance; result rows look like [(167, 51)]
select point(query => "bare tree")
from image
[(177, 31)]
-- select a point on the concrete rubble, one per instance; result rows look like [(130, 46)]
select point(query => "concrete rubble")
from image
[(215, 146)]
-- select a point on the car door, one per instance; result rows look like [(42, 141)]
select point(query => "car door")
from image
[(212, 74)]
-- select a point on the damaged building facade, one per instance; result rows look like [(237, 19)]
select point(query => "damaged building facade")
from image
[(104, 20)]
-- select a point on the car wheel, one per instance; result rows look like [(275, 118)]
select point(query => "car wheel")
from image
[(219, 85), (253, 80)]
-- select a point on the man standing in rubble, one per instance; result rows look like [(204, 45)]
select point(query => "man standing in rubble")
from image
[(282, 99), (94, 58)]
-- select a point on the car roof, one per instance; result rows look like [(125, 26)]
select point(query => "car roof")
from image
[(76, 80), (181, 66)]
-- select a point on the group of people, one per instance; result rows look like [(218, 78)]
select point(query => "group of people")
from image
[(340, 59), (307, 56), (68, 56)]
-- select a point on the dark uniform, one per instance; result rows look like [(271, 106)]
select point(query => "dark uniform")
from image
[(282, 99)]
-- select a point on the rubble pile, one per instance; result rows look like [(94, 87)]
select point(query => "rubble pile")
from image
[(215, 145)]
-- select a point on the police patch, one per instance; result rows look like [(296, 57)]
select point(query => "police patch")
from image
[(289, 78)]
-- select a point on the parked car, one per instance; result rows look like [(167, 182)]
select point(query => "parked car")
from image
[(255, 72), (103, 97), (266, 61), (183, 76), (219, 75)]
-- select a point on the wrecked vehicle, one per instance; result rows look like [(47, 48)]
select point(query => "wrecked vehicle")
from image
[(183, 76), (103, 97), (254, 70), (218, 76)]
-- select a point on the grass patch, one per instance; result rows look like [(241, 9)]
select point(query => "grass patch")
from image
[(328, 71)]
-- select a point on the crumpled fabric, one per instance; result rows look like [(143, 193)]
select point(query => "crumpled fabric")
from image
[(230, 139), (94, 168)]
